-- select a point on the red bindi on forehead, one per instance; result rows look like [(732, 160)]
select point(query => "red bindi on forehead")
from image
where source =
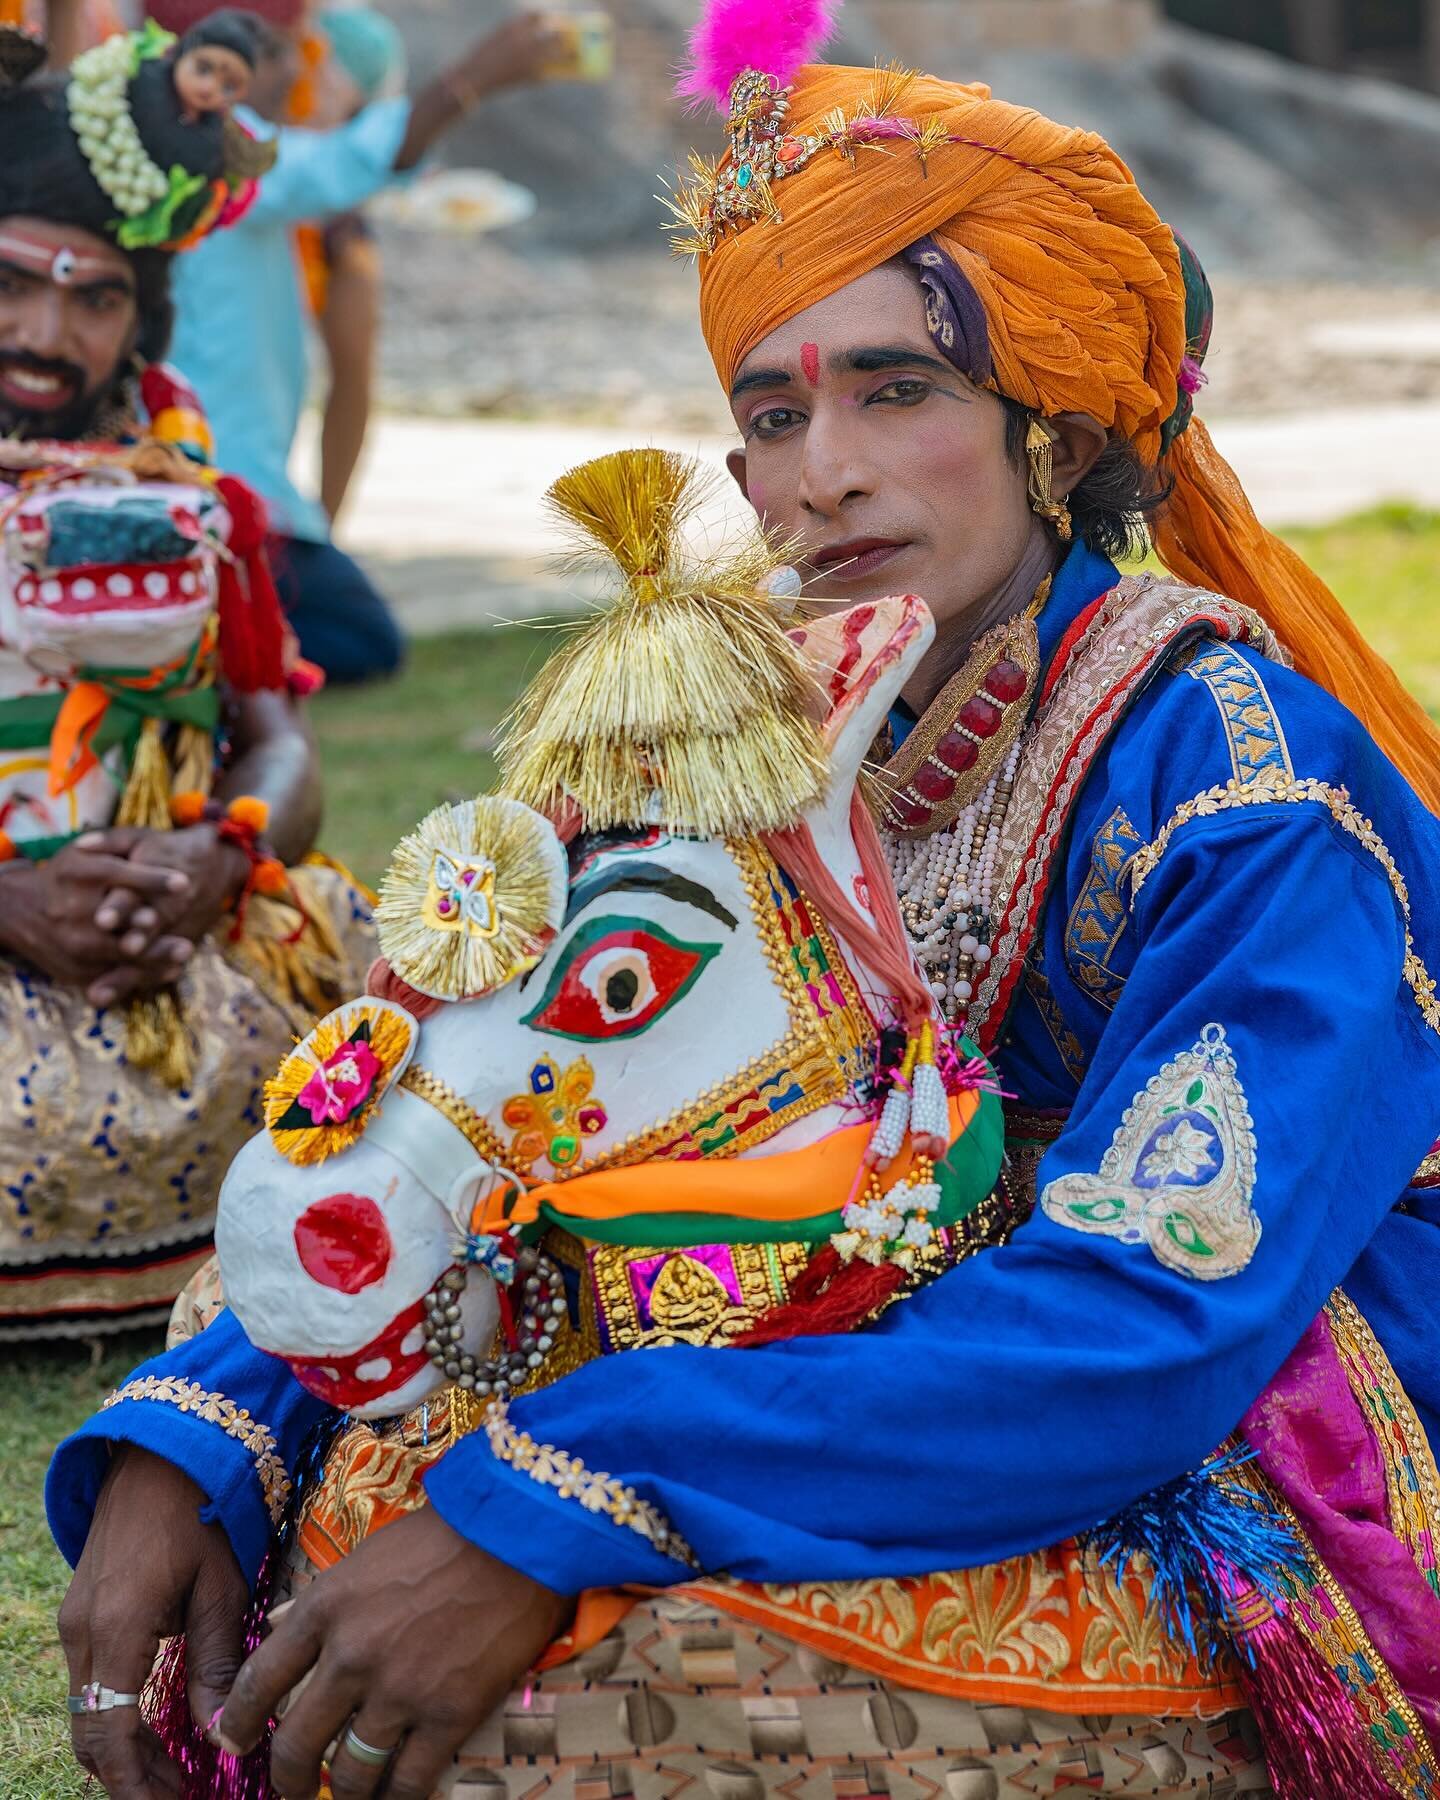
[(810, 362)]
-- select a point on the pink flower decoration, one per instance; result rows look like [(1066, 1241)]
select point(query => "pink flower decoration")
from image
[(341, 1085)]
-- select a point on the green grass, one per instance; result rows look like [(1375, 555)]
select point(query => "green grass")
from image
[(48, 1392), (391, 753)]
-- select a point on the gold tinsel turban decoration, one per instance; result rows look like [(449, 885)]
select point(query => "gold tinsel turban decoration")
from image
[(683, 704)]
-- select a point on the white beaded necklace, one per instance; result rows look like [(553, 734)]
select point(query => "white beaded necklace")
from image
[(946, 887)]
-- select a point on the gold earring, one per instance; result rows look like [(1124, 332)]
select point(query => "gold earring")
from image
[(1040, 449)]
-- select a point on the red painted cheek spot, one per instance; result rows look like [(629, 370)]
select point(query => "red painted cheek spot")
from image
[(810, 362), (343, 1242)]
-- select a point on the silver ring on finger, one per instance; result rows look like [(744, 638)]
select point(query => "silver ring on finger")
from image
[(370, 1754), (95, 1697)]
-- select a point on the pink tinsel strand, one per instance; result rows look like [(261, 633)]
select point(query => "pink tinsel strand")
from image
[(862, 131), (1192, 376), (775, 36), (1317, 1742), (206, 1771)]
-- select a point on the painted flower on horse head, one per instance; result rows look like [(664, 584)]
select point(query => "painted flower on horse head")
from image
[(342, 1084)]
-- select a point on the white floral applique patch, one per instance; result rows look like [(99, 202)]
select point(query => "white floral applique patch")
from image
[(1180, 1172)]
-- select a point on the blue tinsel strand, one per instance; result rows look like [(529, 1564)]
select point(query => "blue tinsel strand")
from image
[(1190, 1530)]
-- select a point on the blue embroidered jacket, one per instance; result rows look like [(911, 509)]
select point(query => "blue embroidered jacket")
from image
[(1230, 998)]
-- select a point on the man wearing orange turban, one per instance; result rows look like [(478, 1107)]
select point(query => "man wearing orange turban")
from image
[(1189, 902)]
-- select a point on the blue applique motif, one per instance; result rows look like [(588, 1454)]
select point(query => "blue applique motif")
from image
[(1180, 1172)]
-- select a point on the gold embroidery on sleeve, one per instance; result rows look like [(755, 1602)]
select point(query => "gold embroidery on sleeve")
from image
[(1253, 733), (1098, 918), (233, 1420), (596, 1491), (1273, 787)]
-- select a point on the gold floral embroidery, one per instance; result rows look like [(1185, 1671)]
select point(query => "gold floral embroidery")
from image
[(1127, 1640), (596, 1491), (1273, 787), (882, 1608), (1051, 1628), (233, 1420), (995, 1617)]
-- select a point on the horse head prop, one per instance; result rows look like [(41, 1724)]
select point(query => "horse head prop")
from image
[(626, 995)]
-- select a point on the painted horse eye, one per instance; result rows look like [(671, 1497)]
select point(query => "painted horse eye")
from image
[(615, 978)]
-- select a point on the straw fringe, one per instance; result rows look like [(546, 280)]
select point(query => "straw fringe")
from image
[(684, 704)]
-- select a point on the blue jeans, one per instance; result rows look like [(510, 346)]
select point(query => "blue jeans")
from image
[(341, 621)]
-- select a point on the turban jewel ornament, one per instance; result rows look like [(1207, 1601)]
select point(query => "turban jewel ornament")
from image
[(472, 897), (683, 704)]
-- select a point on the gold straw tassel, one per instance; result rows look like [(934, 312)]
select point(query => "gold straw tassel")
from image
[(156, 1038), (146, 799), (683, 704)]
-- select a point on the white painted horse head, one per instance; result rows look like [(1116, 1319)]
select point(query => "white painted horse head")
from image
[(689, 1001)]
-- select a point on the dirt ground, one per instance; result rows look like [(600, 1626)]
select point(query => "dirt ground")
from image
[(475, 328)]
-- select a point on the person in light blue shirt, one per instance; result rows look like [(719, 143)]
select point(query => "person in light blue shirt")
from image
[(240, 323)]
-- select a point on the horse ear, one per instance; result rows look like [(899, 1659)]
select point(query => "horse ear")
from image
[(861, 657)]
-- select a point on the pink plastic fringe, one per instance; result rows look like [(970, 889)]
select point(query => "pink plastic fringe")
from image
[(206, 1772), (1316, 1743), (776, 36)]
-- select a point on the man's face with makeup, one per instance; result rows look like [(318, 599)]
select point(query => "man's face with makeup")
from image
[(887, 463), (68, 322)]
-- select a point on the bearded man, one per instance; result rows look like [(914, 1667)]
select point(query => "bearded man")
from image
[(139, 1016), (1188, 898)]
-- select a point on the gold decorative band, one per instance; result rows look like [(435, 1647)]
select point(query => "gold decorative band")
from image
[(1274, 786), (233, 1420), (596, 1491), (431, 1089)]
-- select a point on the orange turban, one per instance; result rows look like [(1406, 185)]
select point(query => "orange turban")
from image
[(1084, 298)]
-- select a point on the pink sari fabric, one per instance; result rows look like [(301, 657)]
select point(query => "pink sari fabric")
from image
[(1313, 1440)]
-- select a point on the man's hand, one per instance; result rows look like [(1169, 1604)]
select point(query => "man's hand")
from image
[(411, 1641), (150, 1569), (521, 49), (48, 912), (214, 872)]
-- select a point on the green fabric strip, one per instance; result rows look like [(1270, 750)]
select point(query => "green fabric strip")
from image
[(966, 1175), (27, 722)]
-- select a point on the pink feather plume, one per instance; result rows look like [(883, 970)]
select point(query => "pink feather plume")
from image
[(733, 35)]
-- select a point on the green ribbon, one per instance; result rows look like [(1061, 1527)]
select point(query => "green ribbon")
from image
[(28, 720)]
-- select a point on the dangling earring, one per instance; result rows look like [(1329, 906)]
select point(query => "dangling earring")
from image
[(1040, 449)]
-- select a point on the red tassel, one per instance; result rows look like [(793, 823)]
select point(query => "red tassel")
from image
[(1317, 1745), (830, 1297), (252, 626)]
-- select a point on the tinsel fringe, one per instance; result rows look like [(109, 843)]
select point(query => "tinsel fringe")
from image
[(1317, 1744), (1224, 1566), (683, 704), (528, 897), (206, 1771)]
